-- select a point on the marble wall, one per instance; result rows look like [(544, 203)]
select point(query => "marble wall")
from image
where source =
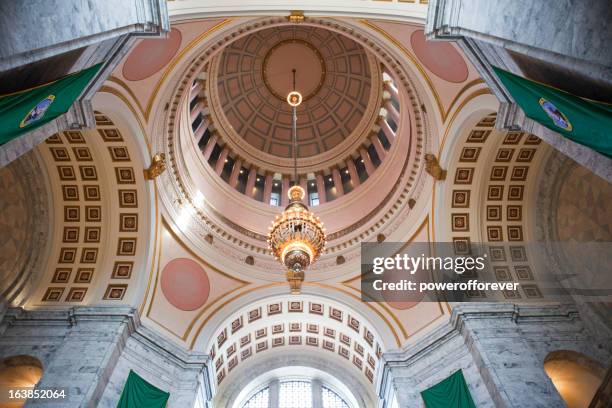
[(161, 363), (563, 44), (571, 34), (500, 348), (50, 27), (89, 352)]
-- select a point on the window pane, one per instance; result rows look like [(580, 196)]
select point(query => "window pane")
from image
[(259, 400), (295, 394), (332, 400)]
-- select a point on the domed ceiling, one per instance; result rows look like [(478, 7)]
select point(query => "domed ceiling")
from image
[(255, 75)]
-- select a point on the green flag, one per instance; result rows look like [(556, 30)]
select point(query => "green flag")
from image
[(138, 393), (452, 392), (583, 121), (23, 111)]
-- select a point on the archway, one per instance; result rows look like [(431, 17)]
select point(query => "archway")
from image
[(575, 376), (18, 372)]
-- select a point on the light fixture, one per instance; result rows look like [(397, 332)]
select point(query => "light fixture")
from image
[(296, 237)]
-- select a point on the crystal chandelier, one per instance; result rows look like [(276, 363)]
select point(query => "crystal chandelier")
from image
[(296, 237)]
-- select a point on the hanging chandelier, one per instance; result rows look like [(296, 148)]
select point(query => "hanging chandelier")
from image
[(296, 237)]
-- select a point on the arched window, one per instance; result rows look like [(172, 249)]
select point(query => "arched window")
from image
[(331, 399), (296, 394), (261, 399)]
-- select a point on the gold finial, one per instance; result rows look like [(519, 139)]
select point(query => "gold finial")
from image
[(295, 279), (296, 193), (157, 167), (433, 167), (296, 16)]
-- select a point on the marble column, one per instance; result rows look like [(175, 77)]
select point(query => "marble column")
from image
[(337, 182), (251, 179), (267, 188), (195, 111), (387, 131), (350, 165), (221, 160), (285, 190), (393, 112), (367, 161), (380, 150), (195, 89), (199, 132), (321, 188), (233, 180), (210, 145)]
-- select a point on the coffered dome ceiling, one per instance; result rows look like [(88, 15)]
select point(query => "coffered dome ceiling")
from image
[(253, 75)]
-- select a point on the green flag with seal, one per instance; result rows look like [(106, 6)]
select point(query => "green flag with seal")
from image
[(583, 121), (26, 110)]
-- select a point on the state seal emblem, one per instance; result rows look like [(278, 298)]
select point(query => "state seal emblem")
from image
[(37, 111), (558, 118)]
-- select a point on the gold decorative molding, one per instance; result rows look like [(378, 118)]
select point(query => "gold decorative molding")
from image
[(432, 166), (296, 17), (157, 167)]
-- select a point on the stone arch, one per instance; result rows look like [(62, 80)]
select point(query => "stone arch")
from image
[(25, 204), (570, 210), (575, 376), (309, 359), (18, 372)]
